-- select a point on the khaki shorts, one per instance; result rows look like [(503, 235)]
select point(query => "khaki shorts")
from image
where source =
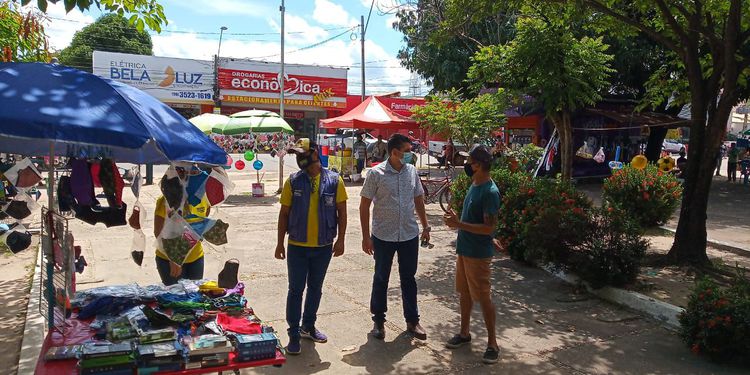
[(473, 277)]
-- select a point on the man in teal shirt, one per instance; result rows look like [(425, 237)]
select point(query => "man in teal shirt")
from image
[(475, 249)]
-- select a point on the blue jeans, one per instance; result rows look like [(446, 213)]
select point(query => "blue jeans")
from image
[(360, 165), (191, 271), (307, 267), (408, 252)]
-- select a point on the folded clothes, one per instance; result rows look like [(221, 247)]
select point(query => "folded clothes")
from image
[(237, 325)]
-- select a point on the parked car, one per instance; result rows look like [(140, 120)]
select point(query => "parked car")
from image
[(672, 146)]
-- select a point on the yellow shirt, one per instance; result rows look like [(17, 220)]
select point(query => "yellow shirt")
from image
[(198, 210), (312, 213)]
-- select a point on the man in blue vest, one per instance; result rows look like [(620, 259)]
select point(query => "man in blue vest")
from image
[(313, 207)]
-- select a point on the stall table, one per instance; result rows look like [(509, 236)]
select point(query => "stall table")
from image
[(78, 332), (344, 165)]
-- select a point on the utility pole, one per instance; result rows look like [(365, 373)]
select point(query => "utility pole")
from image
[(362, 34), (217, 88), (282, 9)]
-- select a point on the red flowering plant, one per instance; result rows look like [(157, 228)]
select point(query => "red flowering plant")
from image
[(541, 218), (716, 322), (649, 196)]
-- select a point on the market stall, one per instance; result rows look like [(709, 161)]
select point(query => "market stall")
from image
[(370, 114), (54, 110)]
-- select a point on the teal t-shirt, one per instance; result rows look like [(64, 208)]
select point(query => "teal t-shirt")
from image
[(481, 200)]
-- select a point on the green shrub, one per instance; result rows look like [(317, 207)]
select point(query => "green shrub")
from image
[(459, 188), (611, 250), (649, 196), (540, 219), (716, 322)]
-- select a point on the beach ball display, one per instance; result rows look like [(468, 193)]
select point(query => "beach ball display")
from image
[(665, 164), (249, 155), (240, 165), (639, 162), (258, 165)]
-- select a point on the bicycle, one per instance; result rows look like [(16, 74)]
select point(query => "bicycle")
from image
[(442, 192)]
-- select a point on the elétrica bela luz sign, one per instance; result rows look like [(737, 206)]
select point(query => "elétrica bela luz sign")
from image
[(167, 79)]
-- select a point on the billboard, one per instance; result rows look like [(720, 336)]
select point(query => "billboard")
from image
[(168, 79), (257, 82)]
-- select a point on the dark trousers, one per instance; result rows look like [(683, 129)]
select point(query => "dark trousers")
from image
[(360, 165), (408, 252), (307, 267), (732, 171), (191, 271)]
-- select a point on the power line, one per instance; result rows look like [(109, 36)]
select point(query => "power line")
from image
[(201, 32)]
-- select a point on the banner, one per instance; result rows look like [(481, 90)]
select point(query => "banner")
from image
[(167, 79)]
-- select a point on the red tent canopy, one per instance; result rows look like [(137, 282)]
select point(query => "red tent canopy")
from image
[(370, 114)]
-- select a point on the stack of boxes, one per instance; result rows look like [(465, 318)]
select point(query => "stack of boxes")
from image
[(255, 347), (208, 351), (107, 358)]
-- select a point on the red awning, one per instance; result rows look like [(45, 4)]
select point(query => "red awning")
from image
[(370, 114)]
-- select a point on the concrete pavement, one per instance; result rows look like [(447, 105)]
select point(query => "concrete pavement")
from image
[(544, 326)]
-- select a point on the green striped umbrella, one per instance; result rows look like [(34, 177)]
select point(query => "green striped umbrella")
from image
[(255, 121)]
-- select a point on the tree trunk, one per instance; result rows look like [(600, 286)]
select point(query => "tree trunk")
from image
[(690, 239), (566, 142)]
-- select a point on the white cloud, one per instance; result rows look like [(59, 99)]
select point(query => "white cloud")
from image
[(329, 13), (226, 7), (298, 30), (383, 74), (61, 26)]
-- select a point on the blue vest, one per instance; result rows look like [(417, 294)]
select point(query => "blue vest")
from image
[(327, 214)]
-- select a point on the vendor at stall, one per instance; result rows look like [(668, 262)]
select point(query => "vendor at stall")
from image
[(169, 271), (379, 150), (360, 153)]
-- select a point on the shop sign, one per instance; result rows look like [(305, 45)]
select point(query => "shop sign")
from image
[(167, 79), (275, 101), (255, 81)]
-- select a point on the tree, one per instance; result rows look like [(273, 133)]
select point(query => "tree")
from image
[(709, 45), (439, 52), (710, 41), (547, 61), (141, 13), (22, 36), (110, 33), (466, 121)]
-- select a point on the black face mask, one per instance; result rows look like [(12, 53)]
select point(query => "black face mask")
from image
[(469, 170), (306, 160)]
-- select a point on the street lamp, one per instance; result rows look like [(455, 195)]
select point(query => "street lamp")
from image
[(217, 88)]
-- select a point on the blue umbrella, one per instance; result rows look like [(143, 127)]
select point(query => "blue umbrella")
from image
[(46, 107)]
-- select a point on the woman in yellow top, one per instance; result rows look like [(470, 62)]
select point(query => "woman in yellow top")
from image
[(169, 271)]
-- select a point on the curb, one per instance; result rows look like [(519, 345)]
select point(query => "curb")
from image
[(35, 327), (659, 310), (721, 245)]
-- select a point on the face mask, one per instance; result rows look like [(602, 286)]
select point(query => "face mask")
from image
[(407, 159), (469, 170)]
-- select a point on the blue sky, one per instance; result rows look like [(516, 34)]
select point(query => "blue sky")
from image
[(308, 22)]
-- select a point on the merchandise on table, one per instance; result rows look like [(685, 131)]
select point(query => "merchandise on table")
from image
[(63, 352), (255, 347), (191, 325)]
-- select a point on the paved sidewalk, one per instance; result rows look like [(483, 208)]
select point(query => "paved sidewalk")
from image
[(544, 326), (728, 212)]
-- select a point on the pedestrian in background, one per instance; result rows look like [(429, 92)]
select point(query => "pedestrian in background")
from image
[(475, 249), (360, 153), (719, 157), (396, 191), (732, 156), (313, 205)]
